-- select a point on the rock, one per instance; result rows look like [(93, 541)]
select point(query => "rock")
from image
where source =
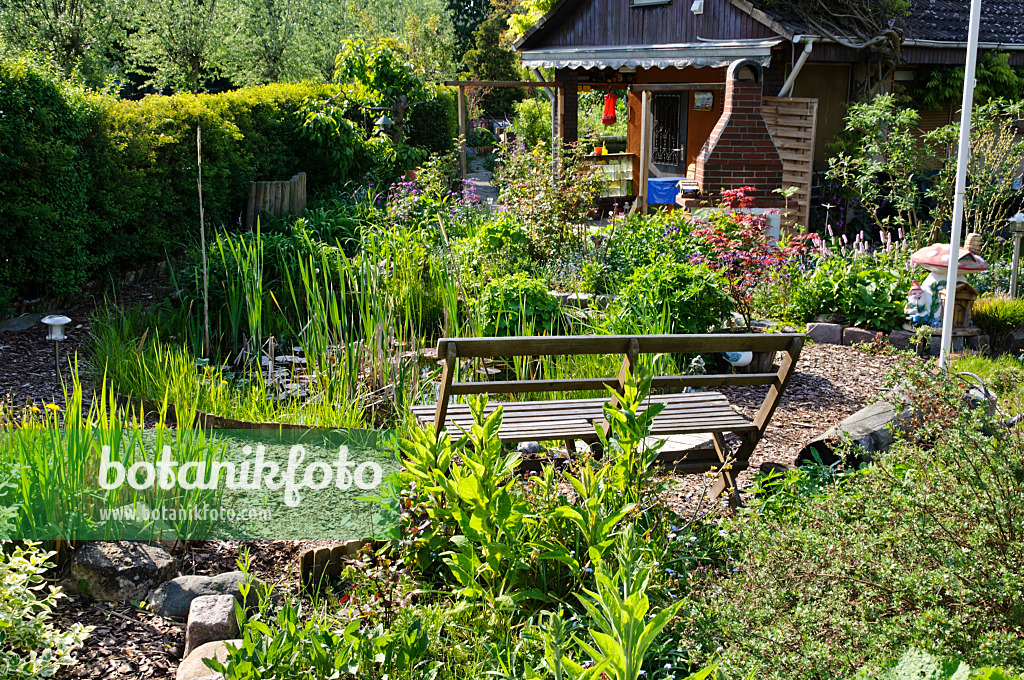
[(117, 571), (825, 333), (1014, 343), (528, 448), (173, 599), (979, 343), (210, 618), (870, 429), (900, 339), (857, 336), (193, 668)]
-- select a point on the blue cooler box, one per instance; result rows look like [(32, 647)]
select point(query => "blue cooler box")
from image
[(662, 190)]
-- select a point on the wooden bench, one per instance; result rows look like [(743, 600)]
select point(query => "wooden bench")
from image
[(571, 419)]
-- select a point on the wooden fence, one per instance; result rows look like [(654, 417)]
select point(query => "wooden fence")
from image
[(276, 198), (791, 120)]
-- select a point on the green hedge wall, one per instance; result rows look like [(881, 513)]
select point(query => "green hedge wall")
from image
[(90, 183)]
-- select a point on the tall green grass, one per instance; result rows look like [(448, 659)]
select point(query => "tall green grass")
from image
[(57, 456)]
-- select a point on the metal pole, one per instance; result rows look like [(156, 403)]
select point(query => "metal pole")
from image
[(961, 183), (1015, 264)]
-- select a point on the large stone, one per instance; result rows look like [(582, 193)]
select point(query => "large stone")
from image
[(174, 598), (210, 618), (193, 668), (117, 571), (871, 429), (858, 336), (825, 333), (527, 448), (1014, 343), (900, 339)]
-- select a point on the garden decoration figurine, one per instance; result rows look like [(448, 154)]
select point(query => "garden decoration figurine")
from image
[(916, 309), (935, 259)]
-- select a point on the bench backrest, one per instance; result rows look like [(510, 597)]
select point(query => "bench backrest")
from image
[(450, 350)]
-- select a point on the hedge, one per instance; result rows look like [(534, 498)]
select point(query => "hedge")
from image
[(90, 183)]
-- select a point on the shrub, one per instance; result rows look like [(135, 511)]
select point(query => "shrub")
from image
[(863, 291), (30, 646), (998, 316), (434, 124), (922, 549), (683, 298), (517, 305), (91, 182), (533, 122)]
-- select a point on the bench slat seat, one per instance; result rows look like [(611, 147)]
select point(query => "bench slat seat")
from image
[(702, 412), (578, 419)]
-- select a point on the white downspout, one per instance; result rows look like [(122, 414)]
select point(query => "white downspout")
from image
[(787, 87)]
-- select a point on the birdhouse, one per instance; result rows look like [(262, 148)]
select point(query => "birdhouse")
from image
[(963, 304)]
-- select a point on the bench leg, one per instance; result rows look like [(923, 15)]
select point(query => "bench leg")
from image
[(726, 481), (570, 447)]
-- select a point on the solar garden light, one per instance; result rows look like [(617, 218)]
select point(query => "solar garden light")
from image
[(384, 124), (1017, 228), (55, 324)]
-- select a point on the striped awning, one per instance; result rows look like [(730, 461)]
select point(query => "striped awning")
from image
[(711, 53)]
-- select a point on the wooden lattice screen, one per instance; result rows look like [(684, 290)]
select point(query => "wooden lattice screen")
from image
[(792, 124)]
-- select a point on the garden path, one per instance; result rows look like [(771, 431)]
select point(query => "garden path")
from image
[(479, 177)]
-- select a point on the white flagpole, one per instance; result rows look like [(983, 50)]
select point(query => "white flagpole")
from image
[(961, 182)]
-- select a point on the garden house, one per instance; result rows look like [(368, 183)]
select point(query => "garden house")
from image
[(723, 92)]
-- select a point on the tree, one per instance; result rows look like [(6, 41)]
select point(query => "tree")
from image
[(75, 34), (489, 61), (180, 44), (466, 16)]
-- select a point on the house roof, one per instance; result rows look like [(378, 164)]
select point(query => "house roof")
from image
[(941, 21), (1002, 21)]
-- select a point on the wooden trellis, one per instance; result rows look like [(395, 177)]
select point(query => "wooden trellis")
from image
[(792, 124)]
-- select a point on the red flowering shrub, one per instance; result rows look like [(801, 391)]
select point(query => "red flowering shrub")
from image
[(736, 243)]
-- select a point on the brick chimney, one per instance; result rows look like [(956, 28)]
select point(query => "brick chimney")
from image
[(740, 151)]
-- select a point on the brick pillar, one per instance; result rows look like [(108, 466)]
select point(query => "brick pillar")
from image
[(740, 151), (569, 79)]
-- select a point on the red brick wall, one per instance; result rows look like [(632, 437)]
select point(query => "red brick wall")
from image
[(740, 151)]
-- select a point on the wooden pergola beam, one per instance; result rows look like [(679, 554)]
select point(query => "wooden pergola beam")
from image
[(500, 83)]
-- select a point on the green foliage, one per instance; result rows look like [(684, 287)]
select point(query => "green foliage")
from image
[(374, 75), (480, 136), (917, 664), (622, 632), (884, 162), (532, 122), (488, 60), (997, 316), (552, 205), (864, 291), (992, 173), (517, 305), (922, 550), (92, 183), (434, 124), (690, 298), (938, 87), (30, 645)]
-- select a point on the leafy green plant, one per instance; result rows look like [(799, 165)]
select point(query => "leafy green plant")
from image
[(621, 630), (864, 291), (30, 645), (517, 305), (692, 298)]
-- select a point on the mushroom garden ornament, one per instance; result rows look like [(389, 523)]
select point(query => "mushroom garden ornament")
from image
[(935, 260)]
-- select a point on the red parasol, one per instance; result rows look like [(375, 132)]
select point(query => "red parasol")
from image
[(609, 109)]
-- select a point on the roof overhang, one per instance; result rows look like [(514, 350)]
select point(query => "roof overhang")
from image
[(711, 53)]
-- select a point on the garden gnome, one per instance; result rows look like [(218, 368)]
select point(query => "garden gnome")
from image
[(916, 309)]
